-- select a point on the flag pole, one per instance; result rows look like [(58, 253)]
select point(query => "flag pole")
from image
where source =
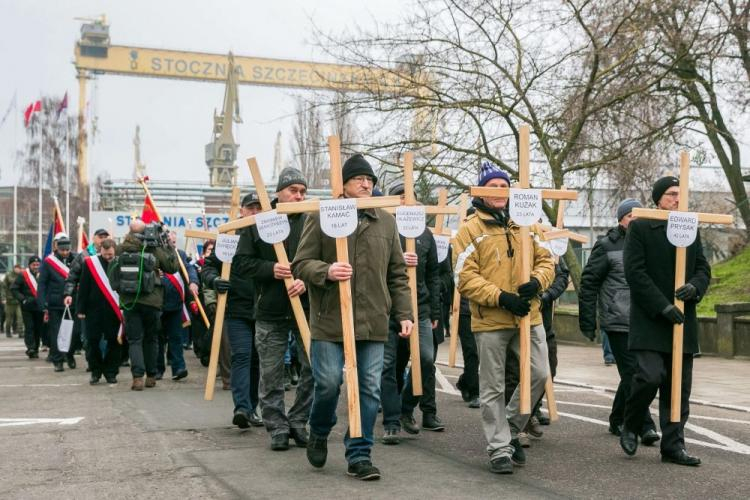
[(67, 173), (39, 200)]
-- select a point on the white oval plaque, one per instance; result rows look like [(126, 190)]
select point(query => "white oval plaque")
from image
[(559, 246), (443, 243), (272, 227), (410, 221), (525, 206), (338, 218), (226, 246), (682, 228)]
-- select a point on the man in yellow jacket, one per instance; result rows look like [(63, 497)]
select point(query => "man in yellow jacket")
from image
[(487, 265)]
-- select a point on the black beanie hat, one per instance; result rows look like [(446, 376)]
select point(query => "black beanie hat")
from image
[(661, 186), (289, 176), (357, 165), (33, 259)]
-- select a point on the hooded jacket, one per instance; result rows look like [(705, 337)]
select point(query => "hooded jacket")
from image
[(166, 261)]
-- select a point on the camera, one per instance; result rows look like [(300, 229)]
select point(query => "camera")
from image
[(154, 235)]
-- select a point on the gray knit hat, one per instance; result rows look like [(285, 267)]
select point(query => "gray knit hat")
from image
[(626, 207), (289, 176)]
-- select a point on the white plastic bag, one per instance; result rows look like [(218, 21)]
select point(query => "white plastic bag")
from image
[(65, 333)]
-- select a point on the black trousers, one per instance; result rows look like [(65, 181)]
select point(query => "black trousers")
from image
[(100, 327), (654, 372), (469, 380), (33, 323), (141, 327), (626, 367)]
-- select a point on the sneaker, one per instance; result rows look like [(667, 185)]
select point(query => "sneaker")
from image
[(255, 419), (431, 422), (300, 436), (409, 424), (317, 451), (241, 419), (475, 403), (519, 456), (391, 436), (501, 465), (280, 442), (524, 440), (534, 428), (364, 470)]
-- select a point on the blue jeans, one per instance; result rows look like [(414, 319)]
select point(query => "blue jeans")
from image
[(328, 374), (606, 348), (427, 364), (171, 323), (241, 337)]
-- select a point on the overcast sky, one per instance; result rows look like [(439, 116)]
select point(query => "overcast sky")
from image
[(37, 39)]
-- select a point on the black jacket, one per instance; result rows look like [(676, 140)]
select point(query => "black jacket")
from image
[(550, 295), (74, 276), (650, 272), (51, 284), (241, 299), (603, 283), (272, 300), (23, 295), (90, 299), (428, 275)]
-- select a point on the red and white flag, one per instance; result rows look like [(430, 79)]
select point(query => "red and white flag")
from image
[(28, 114)]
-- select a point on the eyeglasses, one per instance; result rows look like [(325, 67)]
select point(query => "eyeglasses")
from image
[(672, 194), (361, 179)]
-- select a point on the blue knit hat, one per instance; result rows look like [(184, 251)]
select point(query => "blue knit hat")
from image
[(491, 171), (626, 207)]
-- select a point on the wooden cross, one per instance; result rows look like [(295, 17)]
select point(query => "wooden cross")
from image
[(221, 303), (524, 323), (345, 286), (680, 264), (281, 256), (463, 205)]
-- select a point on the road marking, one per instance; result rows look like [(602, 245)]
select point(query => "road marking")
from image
[(12, 422), (445, 385), (37, 385), (12, 348), (656, 413)]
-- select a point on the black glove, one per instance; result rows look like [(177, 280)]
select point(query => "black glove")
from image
[(527, 291), (686, 292), (546, 299), (589, 334), (211, 311), (221, 285), (514, 304), (673, 314)]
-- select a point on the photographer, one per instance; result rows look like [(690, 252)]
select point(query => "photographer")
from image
[(143, 253)]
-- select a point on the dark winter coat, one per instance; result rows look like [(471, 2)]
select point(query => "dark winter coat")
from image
[(90, 300), (241, 298), (272, 300), (603, 286), (380, 287), (550, 295), (23, 294), (428, 275), (650, 273), (51, 284), (76, 268)]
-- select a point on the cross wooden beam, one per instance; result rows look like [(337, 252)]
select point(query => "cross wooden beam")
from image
[(345, 286), (522, 194), (680, 264), (281, 256), (221, 306)]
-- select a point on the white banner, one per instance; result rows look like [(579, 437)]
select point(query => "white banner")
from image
[(443, 243), (226, 246), (272, 227), (338, 218), (682, 228), (410, 221), (525, 206)]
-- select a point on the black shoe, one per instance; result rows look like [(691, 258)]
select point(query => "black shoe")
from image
[(519, 456), (431, 422), (475, 403), (111, 380), (94, 379), (501, 465), (72, 363), (255, 419), (649, 437), (364, 470), (180, 375), (681, 458), (59, 367), (465, 395), (391, 436), (317, 451), (628, 441), (280, 442), (300, 436), (543, 419), (615, 430), (159, 375), (241, 419), (409, 424)]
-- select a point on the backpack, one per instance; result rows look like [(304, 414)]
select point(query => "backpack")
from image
[(133, 273)]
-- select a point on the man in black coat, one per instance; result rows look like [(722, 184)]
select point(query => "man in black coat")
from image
[(605, 291), (24, 289), (650, 272)]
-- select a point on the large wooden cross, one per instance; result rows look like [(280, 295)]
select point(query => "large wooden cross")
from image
[(524, 323), (281, 256), (680, 268), (345, 286)]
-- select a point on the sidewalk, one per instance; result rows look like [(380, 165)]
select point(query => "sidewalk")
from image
[(717, 381)]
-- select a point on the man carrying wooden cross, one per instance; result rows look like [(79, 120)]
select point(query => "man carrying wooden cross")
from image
[(649, 260), (380, 289), (487, 257)]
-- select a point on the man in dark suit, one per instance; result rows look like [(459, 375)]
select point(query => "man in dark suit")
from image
[(650, 272)]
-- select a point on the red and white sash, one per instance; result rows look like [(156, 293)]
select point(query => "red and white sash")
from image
[(177, 282), (102, 281), (30, 281), (57, 265)]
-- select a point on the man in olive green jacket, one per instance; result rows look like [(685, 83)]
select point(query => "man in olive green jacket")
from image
[(141, 309), (380, 288)]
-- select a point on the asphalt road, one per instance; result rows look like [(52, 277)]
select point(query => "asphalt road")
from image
[(61, 438)]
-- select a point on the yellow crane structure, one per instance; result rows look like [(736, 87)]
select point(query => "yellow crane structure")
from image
[(95, 55)]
